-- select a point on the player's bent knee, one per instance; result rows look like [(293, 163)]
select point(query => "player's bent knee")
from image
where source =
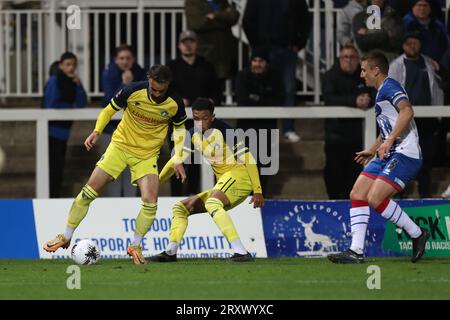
[(374, 200), (180, 211), (212, 205), (357, 195)]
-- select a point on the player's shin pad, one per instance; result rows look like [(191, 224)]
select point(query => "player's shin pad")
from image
[(221, 218), (145, 218), (179, 222), (80, 206)]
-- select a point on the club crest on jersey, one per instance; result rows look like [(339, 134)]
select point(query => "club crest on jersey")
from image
[(135, 104), (390, 166), (164, 114)]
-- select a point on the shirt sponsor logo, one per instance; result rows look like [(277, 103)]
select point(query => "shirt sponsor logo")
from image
[(146, 119)]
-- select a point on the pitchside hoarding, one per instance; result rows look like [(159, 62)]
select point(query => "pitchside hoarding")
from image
[(317, 228), (435, 218), (111, 223), (281, 229)]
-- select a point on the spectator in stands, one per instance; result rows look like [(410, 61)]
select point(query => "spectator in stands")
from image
[(344, 28), (403, 7), (283, 26), (63, 90), (120, 72), (212, 21), (259, 85), (387, 39), (343, 86), (417, 74), (193, 77), (432, 31)]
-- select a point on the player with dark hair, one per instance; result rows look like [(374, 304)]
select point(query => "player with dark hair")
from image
[(136, 143), (398, 161), (237, 177)]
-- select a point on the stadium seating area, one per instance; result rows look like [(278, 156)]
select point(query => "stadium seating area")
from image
[(301, 162)]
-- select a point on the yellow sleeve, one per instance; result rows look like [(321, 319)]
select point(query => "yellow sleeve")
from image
[(104, 117), (168, 169), (166, 172), (252, 169), (179, 134)]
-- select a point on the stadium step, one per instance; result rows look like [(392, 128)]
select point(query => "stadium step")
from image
[(305, 185), (300, 175), (17, 185)]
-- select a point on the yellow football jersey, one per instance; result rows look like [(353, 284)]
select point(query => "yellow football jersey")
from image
[(213, 146), (143, 128)]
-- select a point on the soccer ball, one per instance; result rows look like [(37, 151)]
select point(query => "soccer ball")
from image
[(85, 252)]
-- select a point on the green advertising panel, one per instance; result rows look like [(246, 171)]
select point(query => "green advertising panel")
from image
[(436, 219)]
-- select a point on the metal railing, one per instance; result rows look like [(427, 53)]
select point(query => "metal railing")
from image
[(42, 116), (31, 40)]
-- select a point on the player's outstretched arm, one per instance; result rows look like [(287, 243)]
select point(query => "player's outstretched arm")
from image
[(257, 200), (363, 157), (103, 119), (90, 141), (174, 166), (252, 169)]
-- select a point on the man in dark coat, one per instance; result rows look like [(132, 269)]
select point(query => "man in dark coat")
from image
[(259, 85), (343, 86), (283, 26)]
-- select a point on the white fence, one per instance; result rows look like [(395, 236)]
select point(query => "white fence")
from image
[(31, 40), (42, 116)]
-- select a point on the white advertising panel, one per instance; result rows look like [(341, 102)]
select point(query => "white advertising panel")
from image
[(111, 223)]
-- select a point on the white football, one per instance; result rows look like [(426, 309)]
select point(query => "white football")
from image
[(85, 252)]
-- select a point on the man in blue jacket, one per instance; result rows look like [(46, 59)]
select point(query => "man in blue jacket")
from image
[(121, 71), (432, 30), (62, 91)]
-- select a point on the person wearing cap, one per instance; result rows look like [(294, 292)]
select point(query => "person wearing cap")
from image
[(432, 30), (416, 73), (193, 77), (259, 85), (343, 86)]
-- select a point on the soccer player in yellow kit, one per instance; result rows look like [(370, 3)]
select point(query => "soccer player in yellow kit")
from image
[(237, 177), (148, 109)]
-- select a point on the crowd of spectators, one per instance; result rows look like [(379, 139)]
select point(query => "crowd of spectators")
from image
[(413, 37)]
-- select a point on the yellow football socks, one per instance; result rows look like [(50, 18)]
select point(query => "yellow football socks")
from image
[(179, 222), (145, 218), (80, 206), (221, 218)]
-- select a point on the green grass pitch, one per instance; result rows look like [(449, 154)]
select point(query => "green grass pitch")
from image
[(284, 278)]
